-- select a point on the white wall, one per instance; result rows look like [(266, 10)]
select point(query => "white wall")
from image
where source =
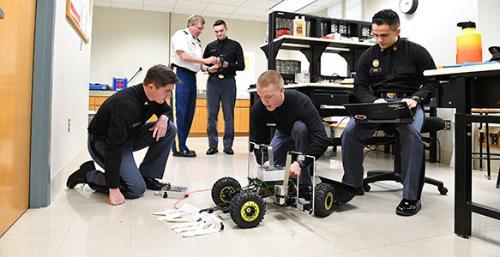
[(69, 97), (488, 24), (433, 25), (125, 39)]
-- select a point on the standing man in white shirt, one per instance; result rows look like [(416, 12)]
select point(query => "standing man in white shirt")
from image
[(186, 59)]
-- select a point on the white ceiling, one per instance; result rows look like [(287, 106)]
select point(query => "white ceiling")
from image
[(254, 10)]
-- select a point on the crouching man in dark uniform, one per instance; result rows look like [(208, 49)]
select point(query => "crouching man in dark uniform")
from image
[(119, 128), (298, 125), (392, 70)]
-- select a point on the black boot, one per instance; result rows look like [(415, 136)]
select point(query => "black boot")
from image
[(154, 184), (408, 207), (80, 176)]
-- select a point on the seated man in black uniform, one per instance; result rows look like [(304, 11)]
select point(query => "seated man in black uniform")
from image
[(298, 125), (392, 70)]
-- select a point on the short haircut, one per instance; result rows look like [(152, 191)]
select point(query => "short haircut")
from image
[(195, 19), (220, 22), (160, 76), (386, 16), (270, 77)]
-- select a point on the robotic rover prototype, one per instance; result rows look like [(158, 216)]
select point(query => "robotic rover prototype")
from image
[(246, 204)]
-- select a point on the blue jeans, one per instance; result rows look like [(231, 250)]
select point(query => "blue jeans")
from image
[(298, 140), (412, 150), (132, 184)]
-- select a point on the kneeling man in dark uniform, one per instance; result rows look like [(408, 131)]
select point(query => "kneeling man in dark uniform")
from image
[(120, 128), (298, 125)]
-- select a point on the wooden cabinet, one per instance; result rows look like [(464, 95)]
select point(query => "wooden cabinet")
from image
[(199, 127), (241, 118), (96, 101)]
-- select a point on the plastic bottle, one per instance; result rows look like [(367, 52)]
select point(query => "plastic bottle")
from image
[(304, 25), (469, 46), (299, 26)]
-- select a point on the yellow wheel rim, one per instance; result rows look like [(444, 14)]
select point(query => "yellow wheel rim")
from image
[(224, 191), (249, 211), (328, 201)]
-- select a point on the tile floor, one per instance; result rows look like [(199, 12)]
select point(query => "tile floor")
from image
[(80, 222)]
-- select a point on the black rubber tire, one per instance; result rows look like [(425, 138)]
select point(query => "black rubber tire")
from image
[(324, 197), (443, 190), (223, 191), (367, 188), (247, 209)]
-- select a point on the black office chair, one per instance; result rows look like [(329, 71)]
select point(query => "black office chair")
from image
[(431, 124)]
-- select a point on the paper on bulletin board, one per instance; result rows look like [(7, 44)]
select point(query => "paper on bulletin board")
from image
[(246, 77)]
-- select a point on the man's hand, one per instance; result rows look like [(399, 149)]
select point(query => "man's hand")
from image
[(214, 68), (380, 100), (115, 196), (210, 60), (160, 128), (294, 170), (410, 102)]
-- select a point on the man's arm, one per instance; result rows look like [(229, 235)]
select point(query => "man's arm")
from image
[(118, 132), (163, 109), (362, 80), (429, 87), (319, 142), (164, 114), (239, 64), (206, 54), (185, 56), (259, 132)]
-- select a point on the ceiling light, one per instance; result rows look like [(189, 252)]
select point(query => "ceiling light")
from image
[(291, 5)]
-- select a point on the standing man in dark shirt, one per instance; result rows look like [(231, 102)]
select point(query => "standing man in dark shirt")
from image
[(221, 86), (391, 71), (298, 124), (186, 58), (119, 128)]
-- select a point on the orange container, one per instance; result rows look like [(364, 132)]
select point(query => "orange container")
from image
[(469, 46)]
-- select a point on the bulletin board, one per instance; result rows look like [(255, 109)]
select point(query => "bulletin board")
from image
[(78, 13)]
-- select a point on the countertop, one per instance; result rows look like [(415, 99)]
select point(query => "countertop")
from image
[(107, 93)]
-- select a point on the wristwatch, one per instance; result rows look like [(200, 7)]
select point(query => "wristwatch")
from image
[(302, 164), (416, 98)]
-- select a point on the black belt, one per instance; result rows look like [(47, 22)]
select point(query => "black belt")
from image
[(393, 95), (222, 76)]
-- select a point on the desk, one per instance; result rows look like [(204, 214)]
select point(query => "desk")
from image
[(472, 86), (321, 95)]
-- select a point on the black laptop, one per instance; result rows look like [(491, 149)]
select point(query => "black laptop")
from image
[(396, 112)]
